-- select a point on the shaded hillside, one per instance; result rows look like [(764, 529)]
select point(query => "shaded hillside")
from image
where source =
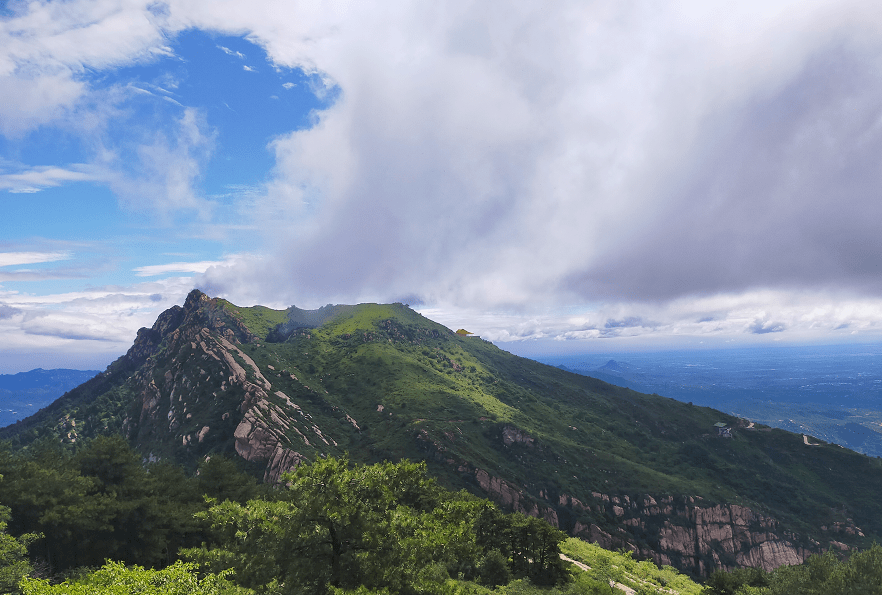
[(382, 382)]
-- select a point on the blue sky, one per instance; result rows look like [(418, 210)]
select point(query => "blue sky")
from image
[(567, 178)]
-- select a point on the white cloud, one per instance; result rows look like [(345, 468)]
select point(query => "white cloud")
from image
[(82, 329), (34, 179), (18, 258), (46, 45), (696, 170), (178, 267), (164, 176), (751, 317), (230, 52), (493, 157)]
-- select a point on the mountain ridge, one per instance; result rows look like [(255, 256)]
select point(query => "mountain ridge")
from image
[(380, 381)]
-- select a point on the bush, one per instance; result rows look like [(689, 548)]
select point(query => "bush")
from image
[(493, 569)]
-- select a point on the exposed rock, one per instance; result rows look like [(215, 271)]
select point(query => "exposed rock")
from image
[(691, 536), (512, 435), (282, 461), (510, 497)]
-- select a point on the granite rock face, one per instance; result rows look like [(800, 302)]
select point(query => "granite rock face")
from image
[(690, 535), (203, 388)]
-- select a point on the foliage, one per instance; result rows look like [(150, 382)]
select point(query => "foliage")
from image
[(825, 574), (115, 579), (14, 564), (643, 577), (222, 478), (99, 503), (382, 526)]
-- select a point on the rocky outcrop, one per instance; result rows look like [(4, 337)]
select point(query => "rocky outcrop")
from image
[(269, 430), (682, 532), (685, 533), (511, 498), (512, 435), (199, 349)]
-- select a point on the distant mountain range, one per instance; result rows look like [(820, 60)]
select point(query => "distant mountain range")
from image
[(685, 485), (25, 393)]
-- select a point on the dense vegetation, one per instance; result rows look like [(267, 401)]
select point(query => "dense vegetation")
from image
[(860, 574), (334, 526)]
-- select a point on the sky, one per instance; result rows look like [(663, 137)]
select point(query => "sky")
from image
[(556, 177)]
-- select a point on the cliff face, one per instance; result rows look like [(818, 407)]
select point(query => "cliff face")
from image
[(197, 389), (682, 532)]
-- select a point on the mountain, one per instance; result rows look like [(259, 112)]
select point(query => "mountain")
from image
[(687, 486), (25, 393)]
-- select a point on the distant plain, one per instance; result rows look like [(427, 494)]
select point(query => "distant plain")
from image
[(25, 393), (831, 392)]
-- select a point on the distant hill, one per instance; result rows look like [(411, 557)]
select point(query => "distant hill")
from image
[(25, 393), (380, 381)]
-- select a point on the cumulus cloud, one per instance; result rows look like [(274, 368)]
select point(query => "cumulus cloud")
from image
[(780, 191), (81, 329), (609, 152), (669, 165)]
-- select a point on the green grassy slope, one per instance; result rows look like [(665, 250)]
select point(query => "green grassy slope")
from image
[(461, 392), (643, 577)]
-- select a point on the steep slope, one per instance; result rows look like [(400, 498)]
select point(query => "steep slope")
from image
[(382, 382)]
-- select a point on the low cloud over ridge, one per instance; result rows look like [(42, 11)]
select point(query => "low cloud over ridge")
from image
[(585, 153)]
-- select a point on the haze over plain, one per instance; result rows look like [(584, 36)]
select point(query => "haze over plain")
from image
[(638, 174)]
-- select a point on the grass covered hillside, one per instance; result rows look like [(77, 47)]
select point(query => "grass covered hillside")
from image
[(382, 382)]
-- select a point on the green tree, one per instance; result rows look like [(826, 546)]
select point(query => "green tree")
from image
[(220, 478), (343, 527), (115, 579), (14, 564), (100, 503), (493, 569), (721, 582), (531, 545)]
